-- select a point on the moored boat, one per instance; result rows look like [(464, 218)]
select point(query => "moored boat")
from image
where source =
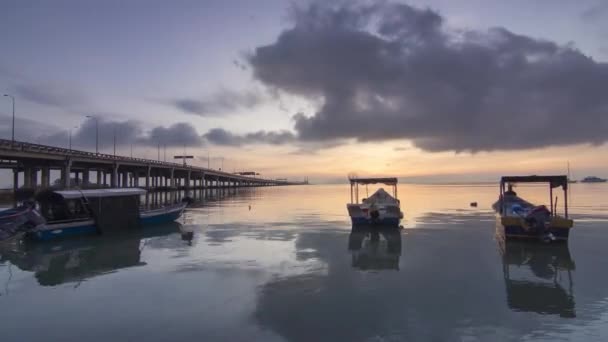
[(378, 209), (518, 218), (593, 179), (83, 212)]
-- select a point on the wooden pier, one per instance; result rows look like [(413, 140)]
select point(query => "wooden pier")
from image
[(33, 164)]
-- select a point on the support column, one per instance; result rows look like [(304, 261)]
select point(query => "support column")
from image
[(114, 177), (148, 171), (65, 174), (85, 178), (45, 177), (188, 175), (99, 172), (172, 178), (125, 179), (27, 177), (15, 179)]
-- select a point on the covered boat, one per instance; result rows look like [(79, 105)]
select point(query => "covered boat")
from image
[(378, 209), (81, 212), (518, 218), (15, 222)]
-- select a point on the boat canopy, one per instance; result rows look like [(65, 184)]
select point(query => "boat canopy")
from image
[(93, 193), (354, 186), (387, 181), (555, 181)]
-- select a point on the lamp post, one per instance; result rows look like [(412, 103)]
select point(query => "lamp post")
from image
[(114, 141), (13, 131), (96, 133), (70, 137)]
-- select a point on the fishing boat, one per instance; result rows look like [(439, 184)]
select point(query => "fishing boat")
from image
[(16, 222), (380, 208), (520, 219), (593, 179), (83, 212)]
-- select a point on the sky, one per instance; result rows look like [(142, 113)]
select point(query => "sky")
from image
[(428, 91)]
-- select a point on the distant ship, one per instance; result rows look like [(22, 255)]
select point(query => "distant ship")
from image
[(592, 179)]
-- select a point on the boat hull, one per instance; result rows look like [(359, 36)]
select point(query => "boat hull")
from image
[(383, 222), (515, 228), (88, 227)]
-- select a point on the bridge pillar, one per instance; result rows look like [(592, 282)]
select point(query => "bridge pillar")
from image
[(148, 171), (99, 172), (45, 177), (85, 178), (188, 175), (114, 177), (66, 174), (34, 181), (15, 179), (27, 177), (172, 178), (125, 179)]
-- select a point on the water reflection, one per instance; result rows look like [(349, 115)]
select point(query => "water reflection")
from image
[(375, 249), (76, 260), (538, 277)]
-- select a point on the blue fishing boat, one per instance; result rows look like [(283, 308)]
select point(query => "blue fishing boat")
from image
[(84, 212), (520, 219)]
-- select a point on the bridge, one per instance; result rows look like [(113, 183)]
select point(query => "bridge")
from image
[(34, 163)]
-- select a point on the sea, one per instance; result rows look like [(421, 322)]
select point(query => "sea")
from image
[(284, 264)]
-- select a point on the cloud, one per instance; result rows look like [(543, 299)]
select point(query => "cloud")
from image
[(223, 102), (179, 134), (600, 10), (219, 136), (126, 132), (56, 95), (392, 71)]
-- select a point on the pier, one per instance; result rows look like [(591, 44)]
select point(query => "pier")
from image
[(32, 165)]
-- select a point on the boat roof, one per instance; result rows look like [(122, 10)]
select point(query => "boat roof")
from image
[(99, 193), (387, 181), (555, 181)]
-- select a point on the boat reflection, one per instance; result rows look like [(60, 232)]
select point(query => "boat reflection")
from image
[(76, 260), (538, 277), (375, 249)]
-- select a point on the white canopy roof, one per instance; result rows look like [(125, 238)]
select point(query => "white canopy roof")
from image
[(97, 193)]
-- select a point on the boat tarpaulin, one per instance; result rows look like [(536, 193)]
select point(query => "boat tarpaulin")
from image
[(115, 213)]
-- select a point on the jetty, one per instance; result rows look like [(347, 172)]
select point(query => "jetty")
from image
[(33, 163)]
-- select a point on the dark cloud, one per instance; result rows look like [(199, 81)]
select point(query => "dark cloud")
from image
[(221, 103), (392, 71), (219, 136), (56, 95), (600, 10), (178, 134), (84, 136)]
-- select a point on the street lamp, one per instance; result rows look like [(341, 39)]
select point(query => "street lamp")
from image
[(70, 137), (96, 133), (114, 140), (13, 134)]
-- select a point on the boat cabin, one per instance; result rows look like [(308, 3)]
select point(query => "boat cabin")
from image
[(507, 182), (354, 186), (111, 209)]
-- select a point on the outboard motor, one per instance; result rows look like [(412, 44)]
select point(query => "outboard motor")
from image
[(537, 219)]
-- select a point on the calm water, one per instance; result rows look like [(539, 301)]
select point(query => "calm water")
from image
[(281, 264)]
